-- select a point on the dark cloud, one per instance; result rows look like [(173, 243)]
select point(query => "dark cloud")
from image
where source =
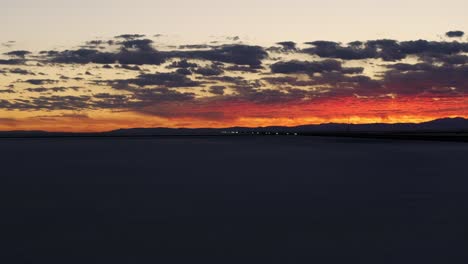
[(385, 49), (331, 84), (17, 71), (288, 80), (212, 70), (421, 47), (401, 79), (352, 70), (37, 90), (234, 38), (140, 98), (454, 59), (128, 67), (110, 101), (52, 89), (137, 53), (329, 49), (241, 68), (95, 43), (184, 71), (429, 79), (3, 91), (62, 102), (109, 96), (182, 64), (130, 36), (308, 67), (18, 53), (11, 62), (340, 84), (138, 44), (251, 93), (56, 102), (21, 71), (53, 102), (152, 96), (235, 54), (168, 80), (287, 45), (237, 80), (140, 57), (62, 89), (217, 89), (81, 56), (403, 67), (296, 66), (40, 81), (455, 34), (195, 46), (134, 49)]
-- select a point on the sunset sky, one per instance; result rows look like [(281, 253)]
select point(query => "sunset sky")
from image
[(108, 64)]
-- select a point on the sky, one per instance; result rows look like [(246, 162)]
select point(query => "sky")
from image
[(102, 65)]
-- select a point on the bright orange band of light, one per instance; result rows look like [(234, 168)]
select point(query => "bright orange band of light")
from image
[(240, 113)]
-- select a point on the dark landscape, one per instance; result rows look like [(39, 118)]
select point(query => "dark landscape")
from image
[(446, 129), (214, 199)]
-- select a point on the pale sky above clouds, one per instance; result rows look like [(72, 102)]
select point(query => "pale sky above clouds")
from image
[(36, 24)]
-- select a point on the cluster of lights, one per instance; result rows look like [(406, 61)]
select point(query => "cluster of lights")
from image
[(259, 133)]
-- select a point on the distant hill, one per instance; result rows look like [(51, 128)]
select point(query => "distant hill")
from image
[(439, 125)]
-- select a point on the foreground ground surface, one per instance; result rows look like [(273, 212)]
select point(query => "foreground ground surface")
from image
[(233, 200)]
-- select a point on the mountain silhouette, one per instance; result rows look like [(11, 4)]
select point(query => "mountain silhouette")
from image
[(452, 125), (457, 124)]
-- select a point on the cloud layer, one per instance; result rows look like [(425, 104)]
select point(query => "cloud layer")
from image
[(230, 82)]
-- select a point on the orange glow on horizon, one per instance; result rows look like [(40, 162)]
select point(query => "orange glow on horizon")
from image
[(228, 114)]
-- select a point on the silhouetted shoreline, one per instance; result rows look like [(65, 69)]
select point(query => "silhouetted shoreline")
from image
[(453, 137), (446, 129)]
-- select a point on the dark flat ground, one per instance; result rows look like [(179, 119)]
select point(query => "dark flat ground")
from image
[(233, 200)]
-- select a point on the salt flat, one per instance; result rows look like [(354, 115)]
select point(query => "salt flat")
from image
[(233, 200)]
